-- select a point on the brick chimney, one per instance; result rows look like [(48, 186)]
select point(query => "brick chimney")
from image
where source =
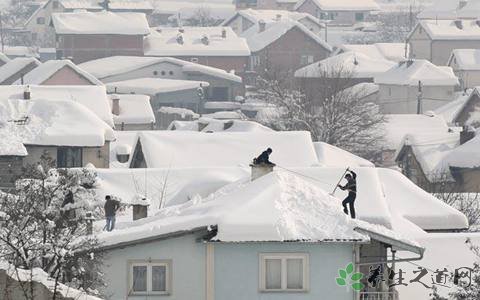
[(466, 134), (140, 207), (26, 93), (115, 104), (261, 26), (260, 170)]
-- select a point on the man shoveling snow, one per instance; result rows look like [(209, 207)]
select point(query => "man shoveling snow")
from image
[(351, 187)]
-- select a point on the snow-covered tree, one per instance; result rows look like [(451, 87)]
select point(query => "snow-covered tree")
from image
[(45, 222), (202, 17), (13, 17)]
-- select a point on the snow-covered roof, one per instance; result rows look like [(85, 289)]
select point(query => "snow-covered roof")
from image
[(117, 65), (362, 89), (350, 63), (389, 51), (134, 109), (271, 15), (466, 155), (258, 40), (440, 9), (452, 110), (16, 65), (225, 149), (52, 123), (449, 30), (465, 59), (213, 125), (3, 58), (19, 51), (412, 71), (187, 8), (286, 206), (470, 11), (195, 41), (398, 126), (46, 70), (39, 276), (153, 86), (93, 97), (80, 4), (130, 5), (342, 5), (332, 156), (103, 22)]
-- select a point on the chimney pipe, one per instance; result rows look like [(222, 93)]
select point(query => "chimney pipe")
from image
[(260, 170), (115, 104), (140, 207), (26, 93), (466, 134), (261, 26)]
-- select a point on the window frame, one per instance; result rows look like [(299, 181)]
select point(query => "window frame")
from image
[(41, 20), (149, 264), (68, 151), (284, 273)]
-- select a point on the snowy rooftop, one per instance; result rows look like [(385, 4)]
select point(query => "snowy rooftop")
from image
[(92, 97), (450, 30), (195, 41), (440, 9), (4, 58), (389, 51), (117, 65), (187, 8), (257, 40), (212, 125), (80, 4), (465, 59), (470, 11), (130, 5), (466, 155), (46, 70), (351, 64), (331, 156), (343, 5), (19, 51), (452, 110), (362, 89), (15, 65), (134, 109), (100, 23), (412, 71), (272, 15), (153, 86), (52, 122)]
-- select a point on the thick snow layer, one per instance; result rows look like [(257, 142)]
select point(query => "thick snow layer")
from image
[(134, 109), (59, 123), (10, 144), (332, 156), (352, 64), (451, 110), (258, 40), (153, 86), (4, 58), (271, 15), (130, 5), (212, 125), (195, 41), (16, 65), (399, 126), (466, 155), (92, 97), (19, 51), (176, 149), (117, 65), (440, 9), (465, 59), (104, 22), (123, 140), (226, 115), (343, 5), (183, 112), (470, 11), (185, 9), (448, 29), (413, 71), (40, 276), (389, 51), (46, 70), (80, 4)]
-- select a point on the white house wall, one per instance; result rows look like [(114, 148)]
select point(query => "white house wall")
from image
[(468, 79), (148, 72), (420, 44)]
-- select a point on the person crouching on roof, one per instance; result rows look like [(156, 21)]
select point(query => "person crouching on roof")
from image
[(351, 187), (264, 158)]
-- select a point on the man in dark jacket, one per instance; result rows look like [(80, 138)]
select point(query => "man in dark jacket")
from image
[(351, 187), (111, 206), (264, 158)]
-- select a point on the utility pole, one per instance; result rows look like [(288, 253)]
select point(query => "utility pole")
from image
[(2, 37), (326, 32), (419, 98)]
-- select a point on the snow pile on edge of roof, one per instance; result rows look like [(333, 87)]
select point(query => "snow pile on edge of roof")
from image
[(389, 51), (4, 58), (153, 86), (440, 9), (466, 155), (214, 125), (452, 109), (134, 109), (46, 70), (187, 8), (16, 65), (332, 156), (466, 59), (104, 22), (40, 276), (343, 5)]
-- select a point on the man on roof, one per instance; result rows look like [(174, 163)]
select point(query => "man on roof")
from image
[(351, 187), (264, 158)]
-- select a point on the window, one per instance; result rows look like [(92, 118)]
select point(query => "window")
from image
[(284, 272), (219, 94), (69, 157), (359, 17), (163, 73), (155, 73), (41, 20), (306, 59), (147, 278), (170, 73), (194, 60)]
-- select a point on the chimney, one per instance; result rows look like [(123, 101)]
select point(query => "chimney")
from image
[(115, 104), (90, 219), (140, 207), (466, 134), (205, 40), (261, 26), (260, 170), (180, 39), (458, 24), (224, 33), (26, 93), (278, 17)]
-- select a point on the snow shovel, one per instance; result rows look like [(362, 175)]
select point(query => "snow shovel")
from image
[(336, 186)]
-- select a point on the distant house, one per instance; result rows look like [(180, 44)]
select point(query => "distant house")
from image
[(266, 4), (389, 51), (84, 36), (443, 9), (217, 47), (3, 59), (339, 12), (16, 68), (132, 112), (344, 70), (223, 85), (434, 40), (59, 72), (466, 65), (463, 111), (415, 86)]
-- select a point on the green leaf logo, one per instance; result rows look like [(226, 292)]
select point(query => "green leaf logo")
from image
[(347, 277)]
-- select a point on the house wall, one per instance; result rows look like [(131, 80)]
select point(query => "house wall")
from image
[(239, 24), (130, 127), (227, 63), (441, 50), (468, 79), (188, 267), (237, 270), (10, 168), (184, 99), (285, 53), (473, 105), (412, 169), (85, 47), (339, 17), (468, 179), (10, 80), (399, 99), (420, 44), (67, 76)]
